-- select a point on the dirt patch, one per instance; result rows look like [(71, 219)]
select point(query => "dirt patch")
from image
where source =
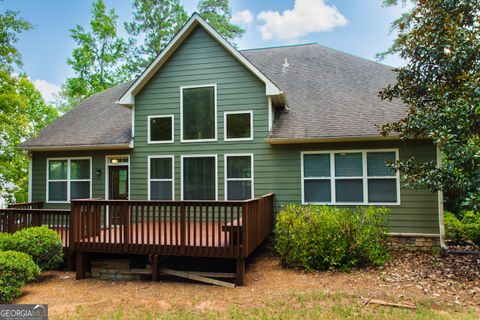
[(417, 278)]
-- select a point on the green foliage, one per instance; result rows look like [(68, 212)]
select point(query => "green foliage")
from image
[(157, 21), (466, 228), (16, 269), (5, 241), (218, 15), (98, 60), (11, 25), (440, 85), (41, 243), (323, 237)]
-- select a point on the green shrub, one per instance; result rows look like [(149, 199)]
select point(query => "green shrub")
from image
[(454, 229), (16, 269), (322, 237), (42, 244), (5, 241)]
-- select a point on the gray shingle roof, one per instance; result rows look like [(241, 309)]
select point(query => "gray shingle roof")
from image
[(330, 93), (95, 121)]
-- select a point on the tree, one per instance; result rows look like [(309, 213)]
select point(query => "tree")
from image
[(98, 59), (218, 14), (440, 84), (157, 21), (23, 113), (10, 26)]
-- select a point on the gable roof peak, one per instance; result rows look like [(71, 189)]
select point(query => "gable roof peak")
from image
[(128, 98)]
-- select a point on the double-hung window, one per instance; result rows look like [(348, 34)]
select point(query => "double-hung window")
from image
[(160, 129), (350, 177), (238, 176), (161, 177), (68, 179), (198, 112)]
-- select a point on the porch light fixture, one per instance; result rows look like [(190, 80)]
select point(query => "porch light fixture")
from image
[(114, 160), (98, 173)]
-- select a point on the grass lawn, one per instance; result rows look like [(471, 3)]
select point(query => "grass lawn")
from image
[(432, 285)]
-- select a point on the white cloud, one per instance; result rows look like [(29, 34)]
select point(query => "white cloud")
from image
[(47, 89), (307, 16), (242, 17)]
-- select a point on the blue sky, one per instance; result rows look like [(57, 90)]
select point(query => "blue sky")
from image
[(359, 27)]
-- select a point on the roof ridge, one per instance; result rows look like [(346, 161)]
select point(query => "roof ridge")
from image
[(281, 46)]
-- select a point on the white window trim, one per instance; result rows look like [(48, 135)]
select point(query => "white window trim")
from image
[(199, 156), (149, 137), (364, 177), (226, 178), (149, 179), (68, 180), (225, 114), (107, 173), (214, 85)]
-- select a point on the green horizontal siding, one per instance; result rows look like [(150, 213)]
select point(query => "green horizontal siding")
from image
[(200, 60)]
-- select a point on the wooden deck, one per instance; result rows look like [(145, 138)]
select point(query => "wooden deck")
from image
[(213, 229)]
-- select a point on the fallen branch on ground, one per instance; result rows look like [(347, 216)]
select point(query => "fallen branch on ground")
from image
[(368, 301)]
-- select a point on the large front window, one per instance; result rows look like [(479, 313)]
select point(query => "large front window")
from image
[(198, 113), (199, 177), (350, 177), (68, 179)]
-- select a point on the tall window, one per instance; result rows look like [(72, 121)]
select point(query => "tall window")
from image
[(68, 179), (161, 177), (238, 177), (198, 113), (238, 125), (160, 129), (199, 177), (350, 177)]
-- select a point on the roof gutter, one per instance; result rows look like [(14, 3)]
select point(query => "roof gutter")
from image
[(330, 139), (78, 147)]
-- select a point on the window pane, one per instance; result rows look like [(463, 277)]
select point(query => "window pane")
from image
[(199, 178), (239, 167), (57, 169), (80, 190), (376, 163), (316, 165), (239, 190), (349, 190), (348, 164), (79, 169), (317, 190), (161, 129), (382, 190), (238, 125), (161, 168), (199, 113), (161, 190), (57, 191)]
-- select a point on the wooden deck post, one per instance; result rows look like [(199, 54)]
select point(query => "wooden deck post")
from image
[(240, 271), (81, 268), (155, 267)]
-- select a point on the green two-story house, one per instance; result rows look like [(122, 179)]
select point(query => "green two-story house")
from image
[(206, 121)]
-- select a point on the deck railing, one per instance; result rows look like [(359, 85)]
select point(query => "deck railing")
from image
[(14, 219), (27, 205), (191, 228)]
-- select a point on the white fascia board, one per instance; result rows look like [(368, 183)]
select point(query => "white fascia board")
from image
[(128, 98)]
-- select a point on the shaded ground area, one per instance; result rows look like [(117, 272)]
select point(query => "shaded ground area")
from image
[(439, 287)]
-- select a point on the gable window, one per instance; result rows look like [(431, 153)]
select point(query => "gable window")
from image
[(68, 179), (238, 125), (199, 177), (238, 177), (350, 177), (160, 129), (198, 113), (160, 178)]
